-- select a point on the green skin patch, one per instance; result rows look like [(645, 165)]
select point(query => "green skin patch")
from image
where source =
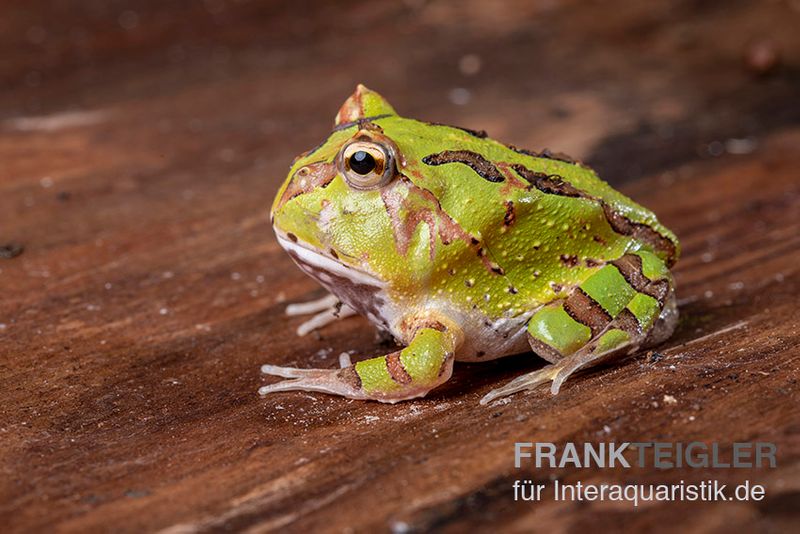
[(456, 225), (424, 357), (553, 326), (375, 376), (652, 266), (609, 289), (645, 308), (611, 340)]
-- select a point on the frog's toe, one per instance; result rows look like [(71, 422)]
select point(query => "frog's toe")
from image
[(325, 318), (522, 383), (320, 380), (289, 372), (314, 306), (327, 309), (566, 367)]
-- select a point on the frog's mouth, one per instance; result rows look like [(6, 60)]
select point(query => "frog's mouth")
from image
[(326, 269)]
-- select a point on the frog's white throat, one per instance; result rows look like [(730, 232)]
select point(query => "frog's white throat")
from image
[(360, 290)]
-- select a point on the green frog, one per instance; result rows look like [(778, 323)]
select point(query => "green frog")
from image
[(464, 248)]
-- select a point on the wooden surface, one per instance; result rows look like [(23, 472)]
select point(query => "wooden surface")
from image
[(141, 145)]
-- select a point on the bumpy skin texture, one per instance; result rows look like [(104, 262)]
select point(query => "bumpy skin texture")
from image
[(489, 245)]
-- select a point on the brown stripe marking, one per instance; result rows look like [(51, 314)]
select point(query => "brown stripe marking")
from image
[(408, 204), (546, 153), (433, 324), (658, 290), (307, 179), (627, 322), (480, 134), (543, 350), (396, 369), (473, 160), (555, 185), (412, 325), (552, 184), (586, 311), (641, 232), (360, 122), (630, 266), (349, 376)]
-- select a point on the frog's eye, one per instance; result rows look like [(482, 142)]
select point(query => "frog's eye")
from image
[(366, 164)]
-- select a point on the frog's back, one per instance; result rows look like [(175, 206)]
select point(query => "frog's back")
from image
[(492, 173), (564, 172)]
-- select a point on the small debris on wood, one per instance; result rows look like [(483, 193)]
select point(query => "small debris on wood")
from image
[(762, 57), (11, 250)]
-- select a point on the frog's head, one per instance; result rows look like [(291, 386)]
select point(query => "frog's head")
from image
[(375, 203), (331, 212)]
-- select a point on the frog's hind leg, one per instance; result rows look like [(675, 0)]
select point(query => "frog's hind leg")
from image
[(619, 335), (327, 310), (625, 305)]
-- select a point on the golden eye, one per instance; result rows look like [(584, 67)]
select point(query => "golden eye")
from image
[(366, 164)]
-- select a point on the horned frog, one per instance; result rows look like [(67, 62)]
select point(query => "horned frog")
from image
[(464, 248)]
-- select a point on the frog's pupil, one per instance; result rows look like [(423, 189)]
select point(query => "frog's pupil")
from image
[(362, 162)]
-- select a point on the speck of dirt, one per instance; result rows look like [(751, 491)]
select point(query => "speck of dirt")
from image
[(762, 57), (11, 250)]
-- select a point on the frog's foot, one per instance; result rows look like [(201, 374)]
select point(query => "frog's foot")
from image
[(426, 363), (334, 381), (555, 373), (522, 383), (328, 309)]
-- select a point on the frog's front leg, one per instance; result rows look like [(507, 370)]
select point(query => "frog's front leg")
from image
[(427, 362), (627, 304), (326, 309)]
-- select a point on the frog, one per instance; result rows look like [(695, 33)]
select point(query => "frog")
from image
[(464, 248)]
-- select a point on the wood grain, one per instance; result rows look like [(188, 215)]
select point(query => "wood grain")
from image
[(141, 145)]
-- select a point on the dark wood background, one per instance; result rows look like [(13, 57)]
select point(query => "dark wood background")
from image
[(141, 144)]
